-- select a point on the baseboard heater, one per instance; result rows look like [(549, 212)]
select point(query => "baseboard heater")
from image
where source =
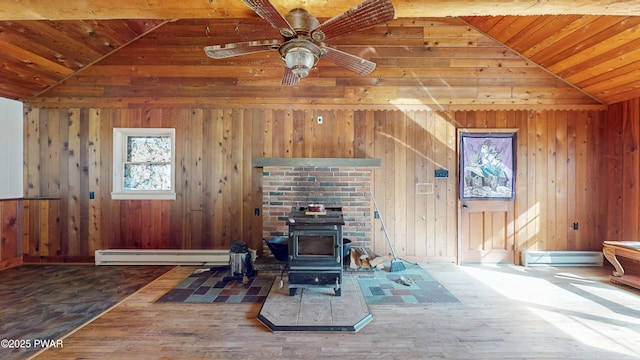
[(161, 257), (562, 258)]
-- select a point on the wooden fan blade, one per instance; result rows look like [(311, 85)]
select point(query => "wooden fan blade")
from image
[(289, 78), (365, 15), (267, 11), (242, 48), (349, 61)]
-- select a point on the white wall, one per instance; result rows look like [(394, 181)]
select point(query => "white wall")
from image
[(11, 142)]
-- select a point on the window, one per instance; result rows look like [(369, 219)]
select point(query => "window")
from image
[(143, 164)]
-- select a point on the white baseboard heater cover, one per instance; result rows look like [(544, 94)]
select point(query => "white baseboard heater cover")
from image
[(562, 258), (161, 257)]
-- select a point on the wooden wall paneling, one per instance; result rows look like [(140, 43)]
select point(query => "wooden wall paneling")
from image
[(441, 188), (379, 182), (452, 194), (43, 144), (215, 148), (195, 126), (248, 224), (552, 241), (417, 185), (234, 166), (32, 153), (74, 171), (339, 127), (42, 208), (614, 168), (54, 227), (437, 155), (287, 133), (171, 119), (83, 174), (116, 239), (389, 177), (572, 123), (410, 183), (257, 149), (348, 139), (277, 133), (583, 175), (183, 160), (399, 169), (328, 135), (310, 122), (268, 129), (360, 134), (26, 234), (53, 154), (4, 237), (176, 219), (63, 122), (10, 233), (31, 238), (227, 178), (630, 159), (326, 138), (429, 146), (522, 209), (208, 197), (559, 168), (542, 176), (596, 148), (297, 134), (219, 212), (533, 218)]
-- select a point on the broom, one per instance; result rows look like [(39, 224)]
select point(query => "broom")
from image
[(396, 264)]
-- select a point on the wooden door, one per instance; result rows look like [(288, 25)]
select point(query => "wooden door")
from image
[(487, 231)]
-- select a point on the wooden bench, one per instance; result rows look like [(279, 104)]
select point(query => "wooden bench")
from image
[(613, 251)]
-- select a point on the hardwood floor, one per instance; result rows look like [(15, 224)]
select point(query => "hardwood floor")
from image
[(505, 312)]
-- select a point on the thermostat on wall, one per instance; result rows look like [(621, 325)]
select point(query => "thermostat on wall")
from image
[(442, 173)]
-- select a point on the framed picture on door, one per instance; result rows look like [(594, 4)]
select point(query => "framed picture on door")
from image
[(487, 165)]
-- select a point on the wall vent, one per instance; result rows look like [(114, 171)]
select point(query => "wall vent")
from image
[(161, 257), (562, 258)]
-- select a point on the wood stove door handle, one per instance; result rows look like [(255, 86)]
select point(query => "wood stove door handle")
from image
[(338, 259)]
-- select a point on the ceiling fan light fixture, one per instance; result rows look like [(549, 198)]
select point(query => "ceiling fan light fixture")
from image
[(300, 60), (300, 56)]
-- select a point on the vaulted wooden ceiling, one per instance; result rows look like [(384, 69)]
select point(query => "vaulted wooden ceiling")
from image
[(491, 53)]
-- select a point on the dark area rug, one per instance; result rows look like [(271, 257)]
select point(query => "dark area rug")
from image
[(210, 287), (384, 287), (46, 302)]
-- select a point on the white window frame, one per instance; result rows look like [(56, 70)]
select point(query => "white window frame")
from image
[(120, 136)]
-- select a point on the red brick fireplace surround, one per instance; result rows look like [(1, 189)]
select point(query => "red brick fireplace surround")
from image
[(291, 183)]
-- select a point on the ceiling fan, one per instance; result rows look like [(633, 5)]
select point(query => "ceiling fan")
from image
[(303, 37)]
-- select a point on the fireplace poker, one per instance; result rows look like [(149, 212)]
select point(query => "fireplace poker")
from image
[(396, 264)]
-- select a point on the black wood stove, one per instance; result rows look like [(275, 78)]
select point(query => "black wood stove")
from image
[(315, 249)]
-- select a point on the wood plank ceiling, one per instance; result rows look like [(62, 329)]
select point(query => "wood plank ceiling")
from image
[(78, 54), (598, 54)]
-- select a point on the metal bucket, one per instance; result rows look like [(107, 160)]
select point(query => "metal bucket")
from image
[(279, 247), (236, 262)]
